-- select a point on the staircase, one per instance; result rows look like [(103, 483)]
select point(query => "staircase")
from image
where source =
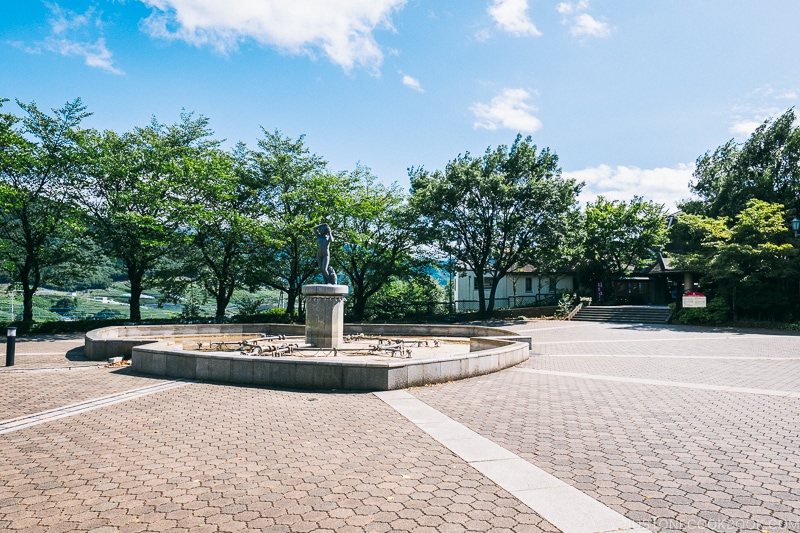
[(631, 314)]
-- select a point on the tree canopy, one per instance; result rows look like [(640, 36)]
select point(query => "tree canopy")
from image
[(748, 257), (620, 237), (376, 240), (39, 154), (488, 212), (765, 167), (129, 191)]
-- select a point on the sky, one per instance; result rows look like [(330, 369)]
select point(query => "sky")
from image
[(628, 93)]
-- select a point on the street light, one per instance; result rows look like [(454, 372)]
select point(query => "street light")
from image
[(796, 226), (11, 339)]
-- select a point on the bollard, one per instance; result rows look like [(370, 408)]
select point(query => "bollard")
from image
[(11, 342)]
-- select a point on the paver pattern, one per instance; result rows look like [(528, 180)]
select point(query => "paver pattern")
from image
[(23, 393), (670, 458), (218, 458), (46, 351), (206, 457)]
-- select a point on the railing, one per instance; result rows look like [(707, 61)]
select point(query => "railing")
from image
[(511, 302), (574, 312), (372, 312), (53, 314)]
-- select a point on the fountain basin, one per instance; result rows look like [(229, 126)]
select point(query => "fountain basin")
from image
[(159, 350)]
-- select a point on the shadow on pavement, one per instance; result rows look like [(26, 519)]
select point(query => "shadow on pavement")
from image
[(76, 354), (703, 329)]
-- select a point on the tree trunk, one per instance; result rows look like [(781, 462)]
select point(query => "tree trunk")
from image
[(27, 302), (136, 297), (223, 297), (492, 294), (291, 299), (28, 290), (481, 294), (222, 303), (359, 305)]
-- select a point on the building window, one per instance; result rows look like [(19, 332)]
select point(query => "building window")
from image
[(487, 283), (528, 284), (553, 284)]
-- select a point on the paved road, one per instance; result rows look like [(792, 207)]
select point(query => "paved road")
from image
[(677, 429)]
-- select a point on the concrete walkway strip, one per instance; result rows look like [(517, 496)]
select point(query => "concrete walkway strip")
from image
[(728, 337), (30, 370), (24, 353), (652, 356), (583, 325), (663, 383), (22, 422), (564, 506)]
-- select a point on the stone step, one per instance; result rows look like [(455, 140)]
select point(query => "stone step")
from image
[(632, 314)]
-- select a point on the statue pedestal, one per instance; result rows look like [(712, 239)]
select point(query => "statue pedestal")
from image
[(325, 314)]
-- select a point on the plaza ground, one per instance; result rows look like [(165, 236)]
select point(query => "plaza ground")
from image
[(675, 429)]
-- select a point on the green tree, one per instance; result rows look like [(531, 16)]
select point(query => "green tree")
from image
[(765, 167), (419, 296), (296, 194), (129, 189), (620, 237), (748, 257), (40, 228), (375, 238), (221, 214), (489, 212), (559, 245)]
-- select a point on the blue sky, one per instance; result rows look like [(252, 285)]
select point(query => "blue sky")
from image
[(628, 93)]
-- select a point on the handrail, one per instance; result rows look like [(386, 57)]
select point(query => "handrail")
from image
[(574, 311)]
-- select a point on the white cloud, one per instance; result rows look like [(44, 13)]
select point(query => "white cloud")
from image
[(62, 20), (512, 16), (746, 120), (94, 54), (341, 29), (769, 92), (745, 127), (760, 104), (508, 110), (585, 24), (582, 24), (483, 35), (73, 34), (666, 185), (567, 8), (413, 83)]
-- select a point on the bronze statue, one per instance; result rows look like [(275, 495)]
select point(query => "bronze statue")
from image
[(324, 239)]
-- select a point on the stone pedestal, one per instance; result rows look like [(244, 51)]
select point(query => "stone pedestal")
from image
[(325, 315)]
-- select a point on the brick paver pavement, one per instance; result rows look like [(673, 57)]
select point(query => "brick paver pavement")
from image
[(671, 458), (218, 458), (47, 351), (206, 457)]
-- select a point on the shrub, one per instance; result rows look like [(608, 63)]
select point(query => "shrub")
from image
[(276, 315), (248, 305), (715, 313), (565, 305)]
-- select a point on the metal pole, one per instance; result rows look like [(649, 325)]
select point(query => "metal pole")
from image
[(11, 341), (451, 288)]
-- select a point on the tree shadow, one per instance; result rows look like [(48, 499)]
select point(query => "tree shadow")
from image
[(704, 329)]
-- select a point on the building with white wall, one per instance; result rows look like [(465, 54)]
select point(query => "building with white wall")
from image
[(520, 288)]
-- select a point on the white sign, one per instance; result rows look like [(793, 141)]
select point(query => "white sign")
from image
[(694, 299)]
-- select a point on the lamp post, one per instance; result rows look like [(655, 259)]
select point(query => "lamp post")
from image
[(11, 340), (796, 226), (451, 287)]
